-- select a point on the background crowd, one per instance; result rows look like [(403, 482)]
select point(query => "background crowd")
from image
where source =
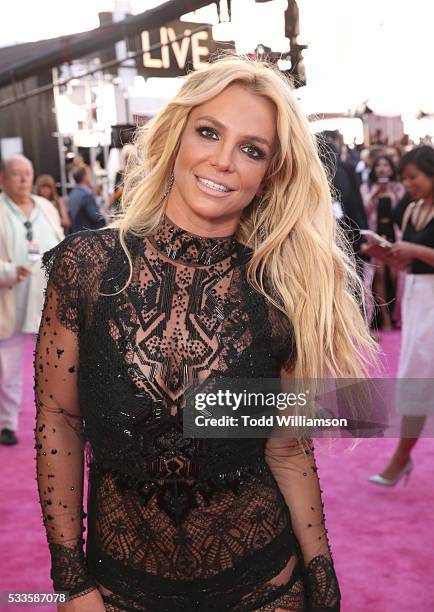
[(371, 193)]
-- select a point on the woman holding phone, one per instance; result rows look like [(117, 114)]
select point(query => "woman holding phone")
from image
[(415, 255), (380, 196)]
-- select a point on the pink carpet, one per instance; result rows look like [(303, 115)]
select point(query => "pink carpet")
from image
[(382, 539)]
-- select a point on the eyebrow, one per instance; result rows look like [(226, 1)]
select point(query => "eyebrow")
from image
[(220, 125)]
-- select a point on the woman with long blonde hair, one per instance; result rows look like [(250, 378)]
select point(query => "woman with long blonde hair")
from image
[(224, 263)]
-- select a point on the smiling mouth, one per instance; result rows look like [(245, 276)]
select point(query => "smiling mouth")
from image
[(211, 185)]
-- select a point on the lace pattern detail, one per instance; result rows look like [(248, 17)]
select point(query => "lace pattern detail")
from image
[(241, 588), (183, 246), (322, 585), (173, 523), (69, 572)]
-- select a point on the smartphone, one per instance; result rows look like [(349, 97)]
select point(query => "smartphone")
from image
[(375, 238)]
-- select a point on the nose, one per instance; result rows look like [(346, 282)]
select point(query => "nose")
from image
[(222, 159)]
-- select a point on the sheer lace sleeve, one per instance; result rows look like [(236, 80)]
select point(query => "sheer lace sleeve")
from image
[(293, 466), (58, 432)]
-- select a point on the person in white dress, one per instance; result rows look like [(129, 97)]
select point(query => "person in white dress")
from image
[(415, 255)]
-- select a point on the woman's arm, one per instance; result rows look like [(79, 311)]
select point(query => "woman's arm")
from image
[(293, 466), (365, 193), (65, 219), (399, 192), (369, 195), (59, 433), (370, 202), (424, 253), (292, 463), (402, 253)]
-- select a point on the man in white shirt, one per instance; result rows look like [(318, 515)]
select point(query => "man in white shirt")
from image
[(29, 226)]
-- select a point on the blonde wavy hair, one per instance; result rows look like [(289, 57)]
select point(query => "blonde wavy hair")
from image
[(303, 257)]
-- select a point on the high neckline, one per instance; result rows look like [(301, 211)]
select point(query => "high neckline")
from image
[(181, 245)]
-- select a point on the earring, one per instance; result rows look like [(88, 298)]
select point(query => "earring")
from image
[(169, 186)]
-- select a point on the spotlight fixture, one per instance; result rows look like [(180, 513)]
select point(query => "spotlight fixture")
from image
[(421, 114), (363, 109)]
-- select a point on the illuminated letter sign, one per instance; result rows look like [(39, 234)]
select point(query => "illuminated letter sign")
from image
[(171, 57)]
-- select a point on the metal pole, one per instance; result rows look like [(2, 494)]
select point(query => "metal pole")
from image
[(60, 144), (366, 133)]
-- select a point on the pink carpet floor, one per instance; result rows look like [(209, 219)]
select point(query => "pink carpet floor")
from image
[(382, 539)]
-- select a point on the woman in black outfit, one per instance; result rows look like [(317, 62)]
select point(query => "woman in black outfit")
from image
[(381, 197), (415, 255), (224, 263)]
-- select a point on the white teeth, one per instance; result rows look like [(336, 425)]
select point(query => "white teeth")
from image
[(212, 185)]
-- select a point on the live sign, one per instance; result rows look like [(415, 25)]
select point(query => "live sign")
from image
[(177, 57)]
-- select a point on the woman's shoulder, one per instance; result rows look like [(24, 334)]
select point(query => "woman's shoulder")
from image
[(89, 241), (85, 248)]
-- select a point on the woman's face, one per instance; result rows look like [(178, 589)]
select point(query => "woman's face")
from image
[(224, 154), (383, 169), (45, 191), (417, 183)]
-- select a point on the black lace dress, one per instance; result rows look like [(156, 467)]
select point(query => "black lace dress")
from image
[(173, 523)]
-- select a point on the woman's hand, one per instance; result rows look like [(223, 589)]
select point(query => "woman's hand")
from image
[(379, 188), (401, 254), (375, 190), (91, 602), (22, 273)]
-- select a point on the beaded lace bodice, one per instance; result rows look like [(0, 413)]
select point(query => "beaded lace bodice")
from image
[(172, 520)]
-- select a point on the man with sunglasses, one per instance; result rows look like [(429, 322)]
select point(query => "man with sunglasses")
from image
[(29, 226)]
